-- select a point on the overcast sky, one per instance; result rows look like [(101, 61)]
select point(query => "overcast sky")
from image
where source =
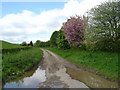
[(31, 21)]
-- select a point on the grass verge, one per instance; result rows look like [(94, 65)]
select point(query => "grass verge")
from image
[(105, 63), (15, 64)]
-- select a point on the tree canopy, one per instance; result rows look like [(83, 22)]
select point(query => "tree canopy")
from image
[(74, 30), (39, 43), (106, 18), (103, 26), (62, 42), (24, 43), (54, 38)]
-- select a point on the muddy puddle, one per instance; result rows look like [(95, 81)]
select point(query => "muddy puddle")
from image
[(90, 79), (31, 79)]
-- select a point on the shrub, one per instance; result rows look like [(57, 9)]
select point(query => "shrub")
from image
[(62, 42)]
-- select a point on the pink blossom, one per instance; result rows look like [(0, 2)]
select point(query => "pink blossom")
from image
[(74, 30)]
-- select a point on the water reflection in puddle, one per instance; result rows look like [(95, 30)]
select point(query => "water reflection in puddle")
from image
[(28, 82), (90, 79)]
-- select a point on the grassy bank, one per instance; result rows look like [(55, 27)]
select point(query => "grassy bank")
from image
[(106, 63), (15, 64), (6, 47)]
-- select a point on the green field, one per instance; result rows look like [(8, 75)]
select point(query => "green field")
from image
[(106, 63), (10, 47), (7, 45)]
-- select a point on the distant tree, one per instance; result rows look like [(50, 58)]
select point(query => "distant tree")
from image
[(37, 43), (31, 43), (47, 43), (53, 38), (24, 43), (74, 30), (61, 41)]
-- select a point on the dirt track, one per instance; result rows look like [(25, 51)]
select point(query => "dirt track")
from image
[(56, 75)]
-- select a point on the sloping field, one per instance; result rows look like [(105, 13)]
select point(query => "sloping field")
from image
[(10, 47), (7, 45)]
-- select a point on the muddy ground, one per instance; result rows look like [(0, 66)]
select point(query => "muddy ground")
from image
[(56, 76)]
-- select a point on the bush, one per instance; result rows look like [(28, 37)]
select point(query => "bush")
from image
[(39, 43), (24, 44), (104, 45), (10, 50), (53, 39), (61, 41)]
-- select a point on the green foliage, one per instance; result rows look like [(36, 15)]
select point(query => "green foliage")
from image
[(31, 43), (14, 49), (15, 64), (106, 18), (45, 44), (105, 63), (39, 43), (61, 41), (24, 44), (102, 31), (53, 39), (0, 67)]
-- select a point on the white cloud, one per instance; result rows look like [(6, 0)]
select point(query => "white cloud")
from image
[(25, 25)]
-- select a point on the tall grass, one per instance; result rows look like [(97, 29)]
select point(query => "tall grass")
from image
[(106, 63), (15, 64)]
